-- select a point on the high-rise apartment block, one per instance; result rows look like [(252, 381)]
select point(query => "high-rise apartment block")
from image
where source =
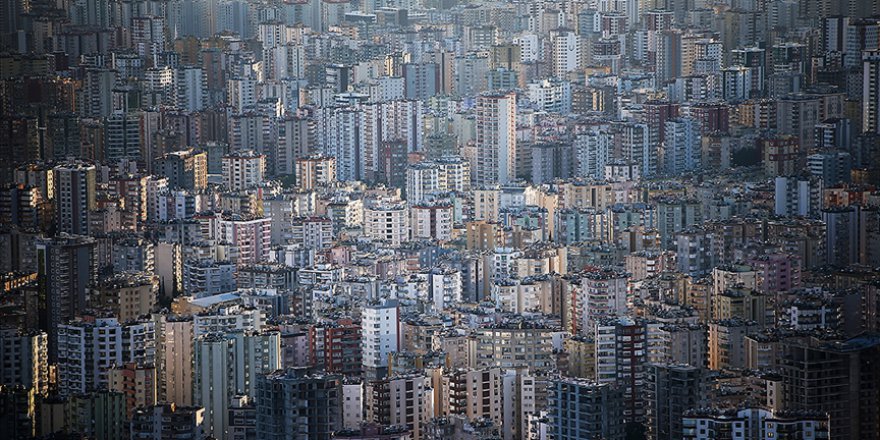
[(496, 139)]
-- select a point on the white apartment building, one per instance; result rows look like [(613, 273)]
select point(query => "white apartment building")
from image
[(87, 350), (352, 405), (871, 91), (504, 261), (250, 238), (227, 320), (682, 148), (550, 95), (206, 278), (456, 171), (530, 47), (160, 85), (593, 152), (386, 221), (380, 335), (444, 288), (449, 173), (496, 139), (342, 132), (487, 203), (565, 52), (402, 120), (346, 214), (634, 140), (192, 93), (754, 424), (794, 196), (312, 232), (228, 364), (241, 93), (517, 296), (296, 138), (243, 170), (422, 179)]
